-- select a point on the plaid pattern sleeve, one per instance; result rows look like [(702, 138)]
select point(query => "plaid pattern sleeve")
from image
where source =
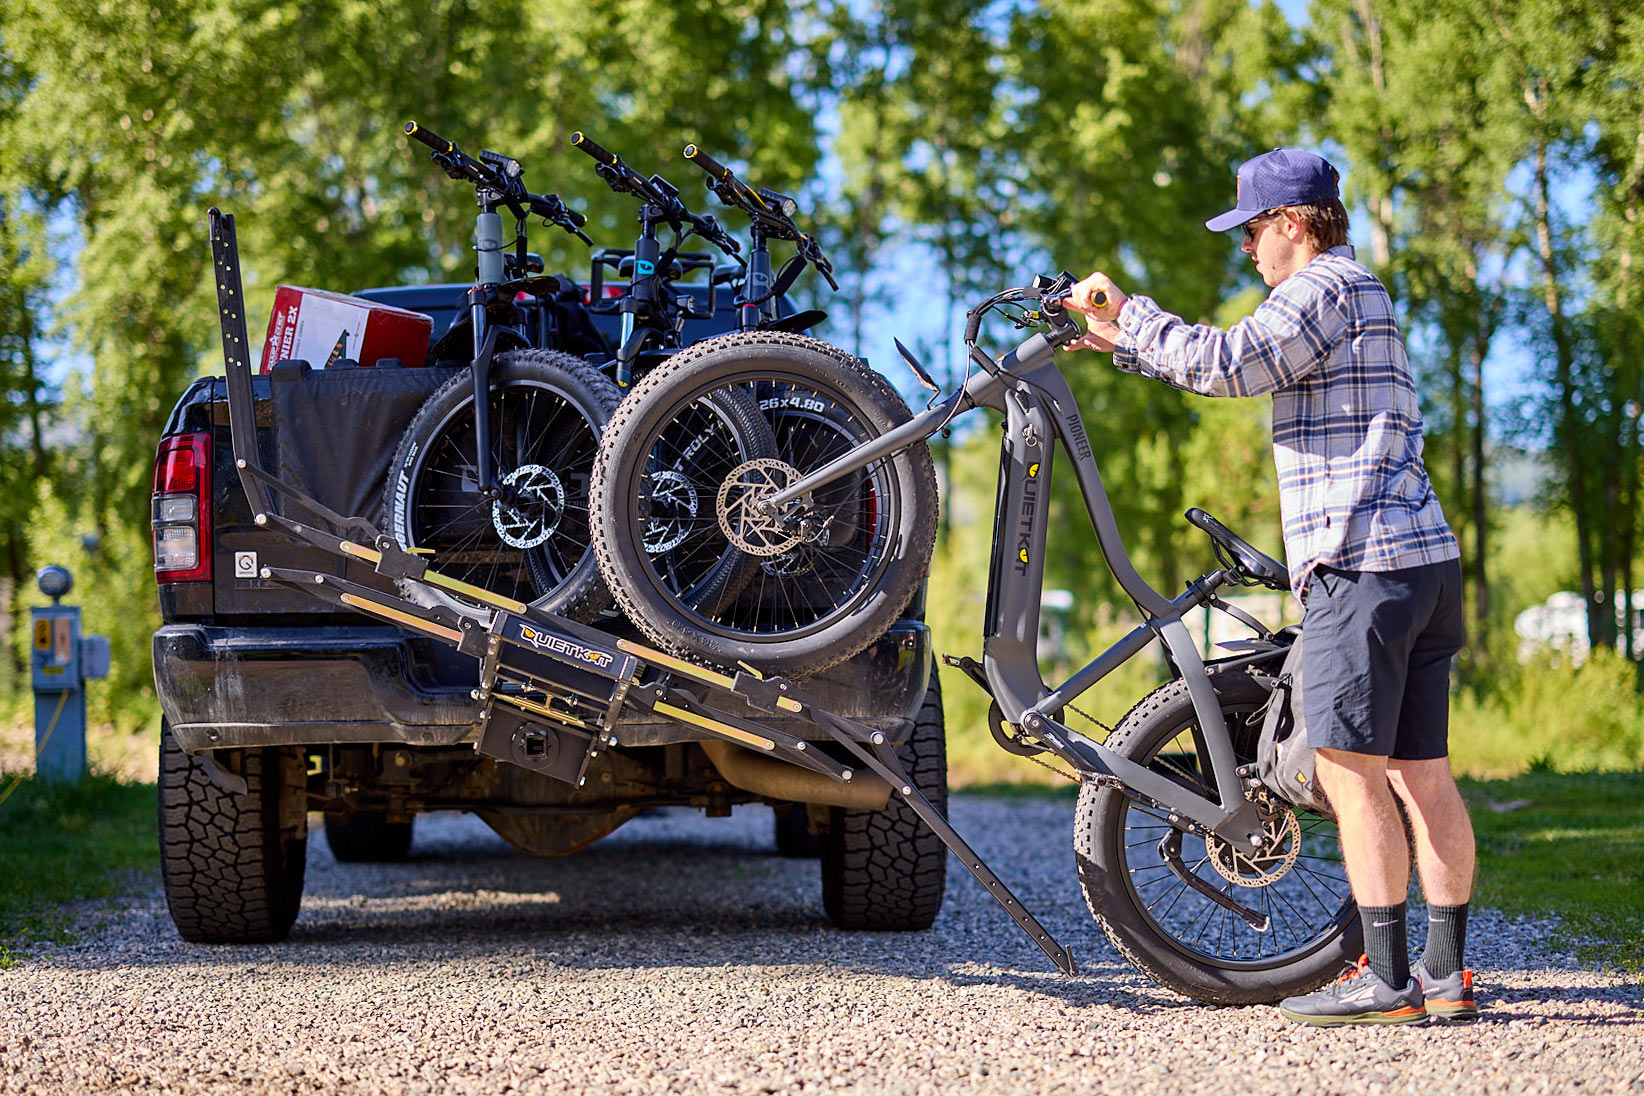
[(1347, 428)]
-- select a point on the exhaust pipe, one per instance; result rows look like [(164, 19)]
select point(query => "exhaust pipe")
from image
[(766, 776)]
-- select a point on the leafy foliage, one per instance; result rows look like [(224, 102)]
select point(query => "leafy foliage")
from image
[(1492, 153)]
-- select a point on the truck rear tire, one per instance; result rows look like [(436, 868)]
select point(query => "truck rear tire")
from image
[(886, 871), (366, 837), (231, 872)]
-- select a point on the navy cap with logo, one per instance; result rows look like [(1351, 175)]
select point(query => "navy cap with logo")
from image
[(1283, 177)]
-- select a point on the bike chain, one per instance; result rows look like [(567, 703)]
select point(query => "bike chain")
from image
[(1088, 718)]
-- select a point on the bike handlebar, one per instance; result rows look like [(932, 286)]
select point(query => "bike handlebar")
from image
[(655, 191), (594, 149), (766, 207), (503, 176)]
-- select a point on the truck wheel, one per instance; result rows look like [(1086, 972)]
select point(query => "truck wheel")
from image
[(885, 870), (366, 837), (232, 873)]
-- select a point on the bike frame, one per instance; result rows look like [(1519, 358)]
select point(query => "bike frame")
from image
[(1039, 408)]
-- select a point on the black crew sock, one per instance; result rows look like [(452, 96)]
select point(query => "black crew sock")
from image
[(1384, 943), (1446, 939)]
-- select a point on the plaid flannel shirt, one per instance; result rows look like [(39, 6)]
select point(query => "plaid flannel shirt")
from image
[(1347, 428)]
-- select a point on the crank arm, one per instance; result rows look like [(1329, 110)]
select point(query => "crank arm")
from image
[(1170, 850), (883, 760)]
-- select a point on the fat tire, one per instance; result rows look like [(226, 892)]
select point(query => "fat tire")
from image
[(622, 460), (367, 837), (582, 595), (228, 874), (1099, 839), (886, 871)]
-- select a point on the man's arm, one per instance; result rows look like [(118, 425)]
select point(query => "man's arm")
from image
[(1284, 340)]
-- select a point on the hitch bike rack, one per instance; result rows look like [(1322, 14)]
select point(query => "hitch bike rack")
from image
[(551, 689)]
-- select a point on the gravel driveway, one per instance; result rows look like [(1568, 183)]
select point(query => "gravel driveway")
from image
[(682, 955)]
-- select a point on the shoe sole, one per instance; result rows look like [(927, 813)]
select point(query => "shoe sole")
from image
[(1453, 1011), (1405, 1015)]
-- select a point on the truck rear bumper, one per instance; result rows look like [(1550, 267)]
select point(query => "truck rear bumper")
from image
[(270, 686), (240, 686)]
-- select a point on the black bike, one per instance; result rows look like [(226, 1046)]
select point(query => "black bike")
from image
[(500, 498), (1207, 881)]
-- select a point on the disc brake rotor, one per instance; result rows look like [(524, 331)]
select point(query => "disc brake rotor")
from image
[(673, 505), (749, 528), (531, 525), (1270, 865)]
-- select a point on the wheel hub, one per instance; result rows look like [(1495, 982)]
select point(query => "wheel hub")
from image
[(746, 524), (1277, 856), (674, 503), (529, 525)]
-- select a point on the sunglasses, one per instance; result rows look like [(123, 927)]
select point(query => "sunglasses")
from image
[(1251, 225)]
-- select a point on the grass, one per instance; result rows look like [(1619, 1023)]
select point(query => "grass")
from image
[(67, 843), (1570, 844)]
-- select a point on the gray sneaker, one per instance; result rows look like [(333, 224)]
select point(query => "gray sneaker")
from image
[(1359, 996), (1447, 998)]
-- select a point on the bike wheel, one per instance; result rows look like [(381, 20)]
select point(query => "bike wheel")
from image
[(832, 573), (1173, 933), (548, 411)]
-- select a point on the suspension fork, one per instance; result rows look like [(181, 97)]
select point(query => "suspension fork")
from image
[(488, 274)]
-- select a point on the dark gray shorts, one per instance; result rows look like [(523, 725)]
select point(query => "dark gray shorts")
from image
[(1377, 659)]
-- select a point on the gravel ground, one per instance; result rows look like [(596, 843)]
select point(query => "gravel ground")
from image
[(682, 955)]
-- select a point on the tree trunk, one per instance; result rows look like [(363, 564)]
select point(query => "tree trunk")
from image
[(1564, 382), (1480, 497)]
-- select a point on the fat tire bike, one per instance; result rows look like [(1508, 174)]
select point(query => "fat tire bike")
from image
[(1203, 878), (491, 476)]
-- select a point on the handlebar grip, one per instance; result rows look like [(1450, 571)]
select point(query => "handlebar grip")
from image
[(713, 167), (1099, 298), (577, 218), (429, 138), (593, 148)]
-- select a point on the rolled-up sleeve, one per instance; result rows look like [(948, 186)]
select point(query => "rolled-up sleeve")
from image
[(1281, 342)]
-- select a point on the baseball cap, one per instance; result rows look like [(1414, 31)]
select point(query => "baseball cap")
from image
[(1283, 177)]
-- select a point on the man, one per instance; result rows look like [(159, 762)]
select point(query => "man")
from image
[(1369, 552)]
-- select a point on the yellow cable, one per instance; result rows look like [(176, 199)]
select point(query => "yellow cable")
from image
[(62, 699)]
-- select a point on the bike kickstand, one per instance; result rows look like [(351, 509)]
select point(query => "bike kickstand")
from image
[(883, 760)]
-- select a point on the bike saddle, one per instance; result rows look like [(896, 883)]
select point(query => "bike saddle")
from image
[(1250, 565)]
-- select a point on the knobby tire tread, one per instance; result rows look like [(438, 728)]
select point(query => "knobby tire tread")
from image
[(1112, 902), (886, 871), (228, 875), (679, 636)]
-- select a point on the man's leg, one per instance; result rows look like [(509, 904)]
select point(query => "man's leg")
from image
[(1444, 833), (1372, 833), (1445, 855), (1377, 855)]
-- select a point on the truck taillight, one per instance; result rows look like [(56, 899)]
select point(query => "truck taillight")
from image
[(182, 509)]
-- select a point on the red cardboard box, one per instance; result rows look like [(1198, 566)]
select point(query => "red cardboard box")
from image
[(323, 328)]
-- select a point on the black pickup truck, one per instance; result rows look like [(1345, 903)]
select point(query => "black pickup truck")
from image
[(277, 706)]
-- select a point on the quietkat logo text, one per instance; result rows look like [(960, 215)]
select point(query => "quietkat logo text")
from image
[(543, 641)]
